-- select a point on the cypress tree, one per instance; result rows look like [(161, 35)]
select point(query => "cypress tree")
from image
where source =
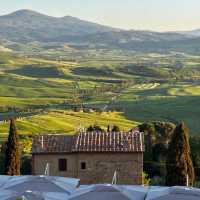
[(108, 128), (12, 157), (178, 164)]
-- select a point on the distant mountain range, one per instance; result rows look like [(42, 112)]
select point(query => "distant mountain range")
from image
[(28, 26), (195, 33)]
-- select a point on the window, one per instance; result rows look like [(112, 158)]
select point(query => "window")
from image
[(62, 164), (83, 165)]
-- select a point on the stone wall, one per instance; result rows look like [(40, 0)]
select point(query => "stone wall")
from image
[(39, 162), (100, 167)]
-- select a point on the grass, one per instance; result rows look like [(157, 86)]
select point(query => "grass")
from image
[(28, 102), (164, 108), (165, 88), (67, 122), (185, 90)]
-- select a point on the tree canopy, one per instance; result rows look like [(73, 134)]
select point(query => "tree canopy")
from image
[(179, 165)]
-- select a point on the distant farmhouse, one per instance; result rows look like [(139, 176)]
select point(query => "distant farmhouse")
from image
[(93, 157)]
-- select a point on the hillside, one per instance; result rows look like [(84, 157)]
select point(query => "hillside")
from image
[(29, 26), (143, 87), (65, 122)]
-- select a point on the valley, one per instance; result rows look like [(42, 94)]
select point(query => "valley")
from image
[(140, 87), (83, 68)]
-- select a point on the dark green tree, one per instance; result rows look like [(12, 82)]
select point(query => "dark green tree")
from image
[(95, 128), (115, 129), (157, 136), (195, 153), (12, 155), (178, 164), (2, 158), (26, 165)]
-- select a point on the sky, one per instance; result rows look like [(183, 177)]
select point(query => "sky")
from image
[(157, 15)]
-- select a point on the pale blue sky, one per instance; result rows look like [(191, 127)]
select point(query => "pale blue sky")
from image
[(160, 15)]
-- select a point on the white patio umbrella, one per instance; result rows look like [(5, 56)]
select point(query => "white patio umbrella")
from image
[(41, 184), (36, 187), (6, 194), (108, 192), (4, 179), (173, 193), (134, 191), (55, 196), (30, 195)]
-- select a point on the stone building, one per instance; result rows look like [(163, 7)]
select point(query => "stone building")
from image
[(93, 157)]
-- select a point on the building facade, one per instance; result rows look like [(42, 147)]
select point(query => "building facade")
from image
[(93, 157)]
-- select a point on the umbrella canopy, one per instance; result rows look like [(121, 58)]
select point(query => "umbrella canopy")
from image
[(174, 193), (28, 195), (36, 187), (4, 180), (133, 191), (6, 194), (41, 184), (55, 196), (107, 192)]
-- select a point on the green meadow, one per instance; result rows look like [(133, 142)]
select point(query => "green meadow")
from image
[(126, 87), (66, 122)]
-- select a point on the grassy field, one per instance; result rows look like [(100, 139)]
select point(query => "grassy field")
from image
[(144, 87), (67, 122)]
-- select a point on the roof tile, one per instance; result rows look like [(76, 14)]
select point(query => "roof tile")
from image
[(90, 142)]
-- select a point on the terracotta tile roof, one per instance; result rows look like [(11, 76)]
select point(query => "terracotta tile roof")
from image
[(52, 144), (100, 141), (90, 142)]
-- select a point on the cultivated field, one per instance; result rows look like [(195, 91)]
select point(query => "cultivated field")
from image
[(44, 87)]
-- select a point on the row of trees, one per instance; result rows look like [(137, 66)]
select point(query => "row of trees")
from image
[(96, 127)]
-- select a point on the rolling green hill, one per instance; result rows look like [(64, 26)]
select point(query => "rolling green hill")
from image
[(143, 87), (63, 122)]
